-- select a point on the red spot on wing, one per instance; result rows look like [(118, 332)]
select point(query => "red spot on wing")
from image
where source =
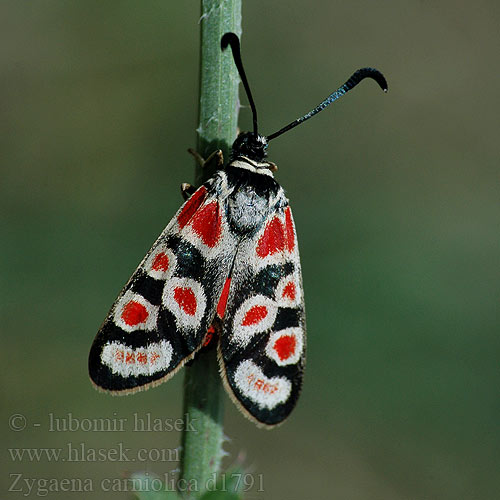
[(254, 315), (142, 358), (209, 336), (273, 239), (134, 313), (289, 291), (191, 206), (221, 306), (186, 299), (131, 358), (160, 262), (262, 385), (290, 232), (207, 224), (285, 346)]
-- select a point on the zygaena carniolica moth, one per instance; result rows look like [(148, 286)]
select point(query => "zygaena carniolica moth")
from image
[(227, 263)]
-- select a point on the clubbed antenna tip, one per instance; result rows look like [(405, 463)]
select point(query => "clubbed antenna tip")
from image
[(356, 78)]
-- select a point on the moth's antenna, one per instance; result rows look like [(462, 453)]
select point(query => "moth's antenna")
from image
[(232, 40), (361, 74)]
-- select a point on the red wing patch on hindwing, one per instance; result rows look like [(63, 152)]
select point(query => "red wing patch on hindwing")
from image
[(209, 336), (191, 206), (221, 305)]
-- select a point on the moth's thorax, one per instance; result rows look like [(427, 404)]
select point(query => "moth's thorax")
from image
[(252, 194), (247, 210), (258, 167)]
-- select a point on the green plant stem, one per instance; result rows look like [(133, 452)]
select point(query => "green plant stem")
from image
[(218, 116), (219, 80)]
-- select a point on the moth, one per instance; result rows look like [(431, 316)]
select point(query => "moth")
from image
[(226, 264)]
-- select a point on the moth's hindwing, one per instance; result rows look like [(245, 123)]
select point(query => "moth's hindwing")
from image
[(262, 347), (161, 316)]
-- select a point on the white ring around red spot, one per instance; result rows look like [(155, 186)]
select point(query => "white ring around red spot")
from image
[(129, 301), (272, 246), (176, 288), (160, 265), (288, 291), (127, 361), (243, 328), (265, 392), (285, 347)]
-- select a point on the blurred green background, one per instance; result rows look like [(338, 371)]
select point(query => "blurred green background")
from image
[(396, 201)]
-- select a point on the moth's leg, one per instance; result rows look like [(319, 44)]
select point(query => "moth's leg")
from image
[(187, 190), (215, 158)]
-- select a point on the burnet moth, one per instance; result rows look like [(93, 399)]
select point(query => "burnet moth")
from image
[(228, 262)]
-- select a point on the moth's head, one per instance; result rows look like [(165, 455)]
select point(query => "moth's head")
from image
[(251, 145)]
